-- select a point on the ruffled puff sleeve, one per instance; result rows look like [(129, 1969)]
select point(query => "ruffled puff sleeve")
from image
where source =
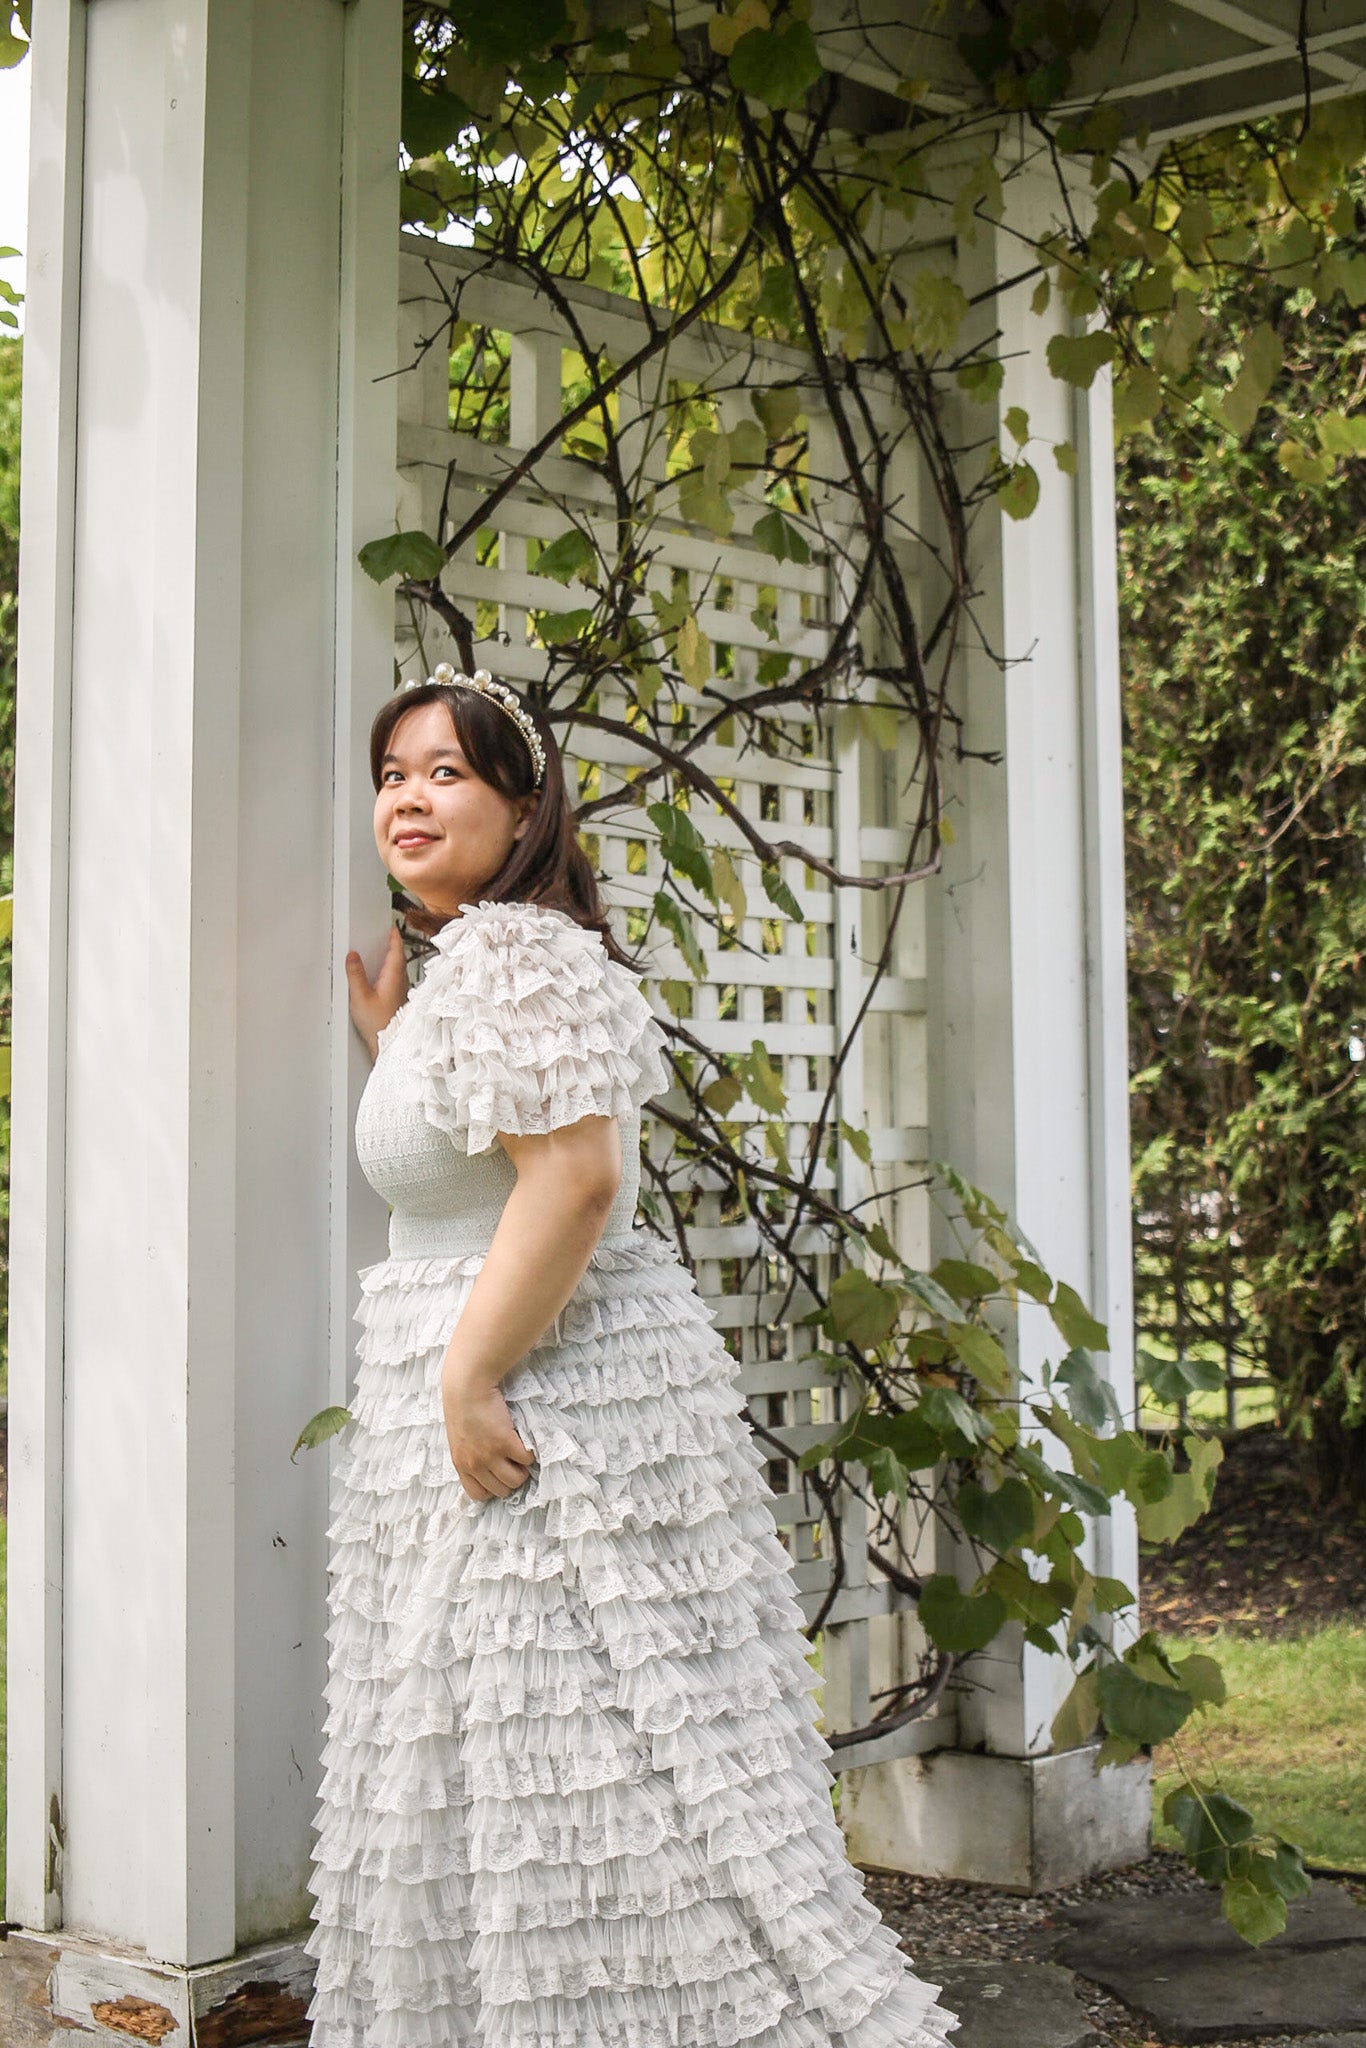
[(524, 1023)]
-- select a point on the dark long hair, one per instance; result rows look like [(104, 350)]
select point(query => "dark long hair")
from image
[(547, 864)]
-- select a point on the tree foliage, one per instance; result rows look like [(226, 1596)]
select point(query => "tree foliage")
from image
[(1245, 696)]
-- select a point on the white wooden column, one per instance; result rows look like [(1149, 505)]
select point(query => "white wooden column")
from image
[(209, 435), (1029, 1062)]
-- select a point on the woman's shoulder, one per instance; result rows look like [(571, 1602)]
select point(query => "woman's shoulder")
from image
[(520, 939), (525, 1022)]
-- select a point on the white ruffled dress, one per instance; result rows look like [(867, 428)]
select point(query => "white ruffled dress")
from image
[(573, 1795)]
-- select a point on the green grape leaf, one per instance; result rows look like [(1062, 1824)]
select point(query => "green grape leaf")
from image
[(670, 913), (1138, 1708), (571, 556), (778, 894), (318, 1428), (1001, 1519), (1253, 1913), (781, 539), (1190, 1494), (964, 1279), (981, 1354), (414, 555), (863, 1312), (1075, 358), (1075, 1321), (958, 1621), (776, 65)]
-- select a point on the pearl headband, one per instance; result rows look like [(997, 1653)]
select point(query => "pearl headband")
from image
[(497, 693)]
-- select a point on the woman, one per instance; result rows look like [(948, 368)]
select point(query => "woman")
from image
[(573, 1792)]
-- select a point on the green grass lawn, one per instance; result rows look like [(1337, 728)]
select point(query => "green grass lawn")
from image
[(1291, 1741)]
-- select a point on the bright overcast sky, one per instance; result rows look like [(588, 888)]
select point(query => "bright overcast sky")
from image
[(14, 168)]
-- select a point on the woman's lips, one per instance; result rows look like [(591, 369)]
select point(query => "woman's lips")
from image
[(411, 839)]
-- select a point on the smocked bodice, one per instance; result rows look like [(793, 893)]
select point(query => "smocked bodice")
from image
[(442, 1200), (520, 1023)]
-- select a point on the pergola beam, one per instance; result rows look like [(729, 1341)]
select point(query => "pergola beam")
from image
[(1196, 92)]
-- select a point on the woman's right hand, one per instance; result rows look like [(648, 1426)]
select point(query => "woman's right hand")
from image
[(486, 1448), (374, 1003)]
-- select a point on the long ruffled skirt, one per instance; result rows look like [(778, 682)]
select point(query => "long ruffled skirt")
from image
[(573, 1795)]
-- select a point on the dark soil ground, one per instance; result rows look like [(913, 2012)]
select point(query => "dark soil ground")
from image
[(1264, 1559)]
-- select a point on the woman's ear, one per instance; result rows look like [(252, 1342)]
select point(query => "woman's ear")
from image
[(528, 806)]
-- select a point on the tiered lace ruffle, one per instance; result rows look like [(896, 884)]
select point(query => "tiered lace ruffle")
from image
[(522, 1023), (573, 1795)]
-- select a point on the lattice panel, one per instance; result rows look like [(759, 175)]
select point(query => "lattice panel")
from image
[(824, 784)]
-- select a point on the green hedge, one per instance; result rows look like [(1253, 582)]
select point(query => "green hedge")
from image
[(1243, 599)]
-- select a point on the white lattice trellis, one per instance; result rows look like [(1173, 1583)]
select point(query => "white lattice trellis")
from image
[(831, 787)]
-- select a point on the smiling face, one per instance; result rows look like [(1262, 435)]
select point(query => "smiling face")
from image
[(441, 832)]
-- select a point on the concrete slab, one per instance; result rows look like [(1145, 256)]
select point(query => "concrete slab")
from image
[(1010, 2005), (1022, 1824), (1175, 1958)]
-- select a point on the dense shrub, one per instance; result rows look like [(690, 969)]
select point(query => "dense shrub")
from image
[(1244, 615), (10, 359)]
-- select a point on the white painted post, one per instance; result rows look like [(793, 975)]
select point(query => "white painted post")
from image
[(38, 1129), (214, 233), (1028, 1072)]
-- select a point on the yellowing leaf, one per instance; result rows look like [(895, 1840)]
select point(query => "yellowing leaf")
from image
[(1077, 357), (1175, 345), (693, 653), (1261, 361), (729, 887), (1076, 1718), (778, 410), (1138, 396), (1019, 493), (725, 30), (938, 308)]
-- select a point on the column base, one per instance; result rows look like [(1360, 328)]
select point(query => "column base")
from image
[(1025, 1824), (54, 1984)]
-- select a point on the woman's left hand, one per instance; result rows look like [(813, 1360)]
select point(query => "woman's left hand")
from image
[(375, 1003), (486, 1450)]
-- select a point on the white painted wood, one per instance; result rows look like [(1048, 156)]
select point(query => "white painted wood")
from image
[(35, 1798), (1112, 1264), (367, 407), (1021, 1101), (85, 1981), (1182, 68), (226, 458)]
